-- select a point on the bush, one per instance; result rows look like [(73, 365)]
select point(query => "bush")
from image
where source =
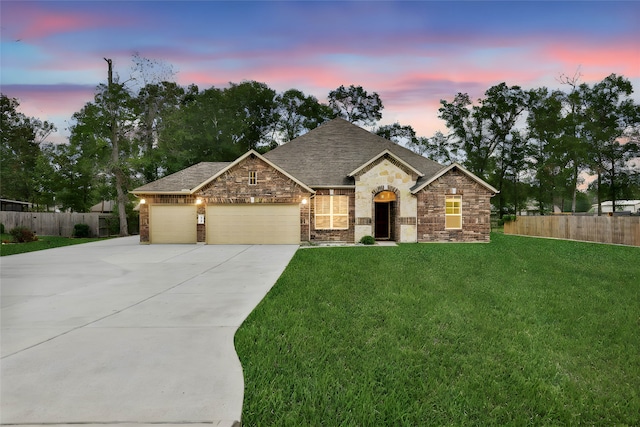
[(23, 235), (368, 240), (81, 230), (1, 228)]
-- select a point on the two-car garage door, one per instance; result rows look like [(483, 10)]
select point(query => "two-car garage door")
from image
[(227, 224), (253, 224)]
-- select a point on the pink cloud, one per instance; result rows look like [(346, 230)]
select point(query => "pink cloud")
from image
[(623, 58)]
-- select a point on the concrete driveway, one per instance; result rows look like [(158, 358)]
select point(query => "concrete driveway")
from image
[(118, 332)]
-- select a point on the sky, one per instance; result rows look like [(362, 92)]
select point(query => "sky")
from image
[(412, 53)]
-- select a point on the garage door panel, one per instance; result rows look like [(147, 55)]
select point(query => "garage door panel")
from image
[(172, 224), (253, 224)]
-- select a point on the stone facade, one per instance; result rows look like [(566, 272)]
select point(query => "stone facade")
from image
[(476, 210), (386, 174)]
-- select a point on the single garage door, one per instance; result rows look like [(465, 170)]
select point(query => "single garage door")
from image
[(172, 224), (253, 224)]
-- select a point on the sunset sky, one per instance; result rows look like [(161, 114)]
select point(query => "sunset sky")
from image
[(411, 53)]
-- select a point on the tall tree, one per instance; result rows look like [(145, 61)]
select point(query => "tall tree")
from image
[(153, 104), (484, 131), (82, 166), (611, 114), (253, 106), (356, 105), (299, 113), (20, 140), (116, 102), (546, 130)]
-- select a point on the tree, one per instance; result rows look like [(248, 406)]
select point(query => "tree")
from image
[(254, 114), (298, 113), (438, 148), (546, 133), (484, 132), (82, 165), (611, 115), (201, 130), (356, 105), (153, 104), (20, 139), (400, 134), (116, 103)]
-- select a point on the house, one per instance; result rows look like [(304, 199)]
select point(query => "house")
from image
[(7, 205), (632, 206), (338, 182), (104, 206)]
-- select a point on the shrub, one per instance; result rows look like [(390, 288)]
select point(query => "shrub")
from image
[(509, 218), (368, 240), (1, 228), (23, 235), (81, 230)]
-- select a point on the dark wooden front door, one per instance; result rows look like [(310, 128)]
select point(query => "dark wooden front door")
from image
[(382, 220)]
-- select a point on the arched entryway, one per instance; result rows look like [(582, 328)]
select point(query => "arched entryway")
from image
[(384, 213)]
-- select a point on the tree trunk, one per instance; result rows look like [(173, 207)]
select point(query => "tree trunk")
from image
[(122, 199)]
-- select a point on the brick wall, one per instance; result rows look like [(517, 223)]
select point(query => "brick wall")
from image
[(159, 200), (476, 210), (233, 187)]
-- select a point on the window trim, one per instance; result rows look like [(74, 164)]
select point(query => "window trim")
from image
[(253, 177), (447, 199), (332, 214)]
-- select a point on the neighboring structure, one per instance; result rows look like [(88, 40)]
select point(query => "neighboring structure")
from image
[(338, 182), (632, 206), (14, 206), (104, 206)]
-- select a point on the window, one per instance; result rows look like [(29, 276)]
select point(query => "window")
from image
[(332, 212), (453, 212), (253, 177)]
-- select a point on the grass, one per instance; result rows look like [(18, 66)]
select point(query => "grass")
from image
[(520, 331), (43, 242)]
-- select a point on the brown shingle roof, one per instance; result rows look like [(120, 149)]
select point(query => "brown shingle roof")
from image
[(327, 154), (186, 179), (323, 157)]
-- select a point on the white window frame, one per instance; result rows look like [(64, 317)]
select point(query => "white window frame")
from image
[(332, 215), (452, 210)]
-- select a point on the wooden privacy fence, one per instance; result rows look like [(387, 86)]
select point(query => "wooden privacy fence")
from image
[(621, 230), (56, 223)]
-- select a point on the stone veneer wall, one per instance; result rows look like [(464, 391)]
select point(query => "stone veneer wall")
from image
[(476, 210), (386, 174), (334, 235)]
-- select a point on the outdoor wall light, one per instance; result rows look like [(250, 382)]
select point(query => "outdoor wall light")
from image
[(143, 201), (198, 201), (304, 201)]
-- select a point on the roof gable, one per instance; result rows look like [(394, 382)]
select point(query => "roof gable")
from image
[(328, 155), (452, 166), (386, 154), (259, 156)]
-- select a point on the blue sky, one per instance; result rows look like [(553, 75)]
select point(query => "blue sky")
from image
[(411, 53)]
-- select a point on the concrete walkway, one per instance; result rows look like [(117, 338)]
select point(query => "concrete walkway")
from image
[(114, 332)]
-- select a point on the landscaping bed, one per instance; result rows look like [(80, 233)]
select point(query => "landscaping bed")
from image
[(44, 242)]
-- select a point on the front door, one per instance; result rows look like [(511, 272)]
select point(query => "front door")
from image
[(382, 229)]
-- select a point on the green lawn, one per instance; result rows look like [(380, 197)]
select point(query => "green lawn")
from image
[(44, 242), (521, 331)]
